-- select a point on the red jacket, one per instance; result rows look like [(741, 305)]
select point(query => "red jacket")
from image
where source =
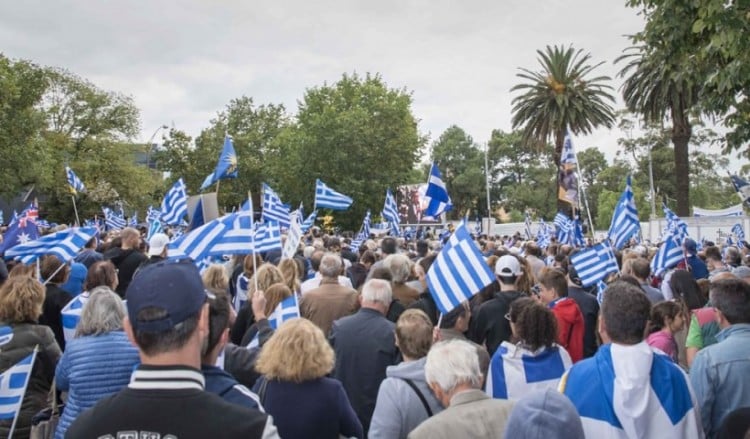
[(570, 327)]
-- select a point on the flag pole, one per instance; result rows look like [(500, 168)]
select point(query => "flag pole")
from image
[(25, 386), (252, 237), (75, 209), (582, 185)]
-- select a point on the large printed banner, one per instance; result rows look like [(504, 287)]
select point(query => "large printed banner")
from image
[(411, 203)]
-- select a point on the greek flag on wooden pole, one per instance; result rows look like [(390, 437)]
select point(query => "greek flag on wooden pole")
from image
[(13, 383), (328, 198), (75, 183), (669, 254), (436, 194), (273, 208), (287, 309), (625, 221), (594, 263), (459, 271)]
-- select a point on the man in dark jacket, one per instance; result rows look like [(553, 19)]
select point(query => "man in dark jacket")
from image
[(364, 345), (589, 308), (168, 320), (490, 327), (127, 259)]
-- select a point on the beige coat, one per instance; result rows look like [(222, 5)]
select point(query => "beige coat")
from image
[(471, 414), (329, 302)]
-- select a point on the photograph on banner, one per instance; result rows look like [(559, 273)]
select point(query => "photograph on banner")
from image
[(411, 203)]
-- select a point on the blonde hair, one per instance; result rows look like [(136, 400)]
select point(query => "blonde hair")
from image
[(22, 270), (290, 271), (266, 275), (21, 299), (297, 352), (274, 295), (414, 333), (215, 278)]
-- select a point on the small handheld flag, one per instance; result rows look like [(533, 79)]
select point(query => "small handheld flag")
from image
[(174, 205), (595, 263), (459, 271), (625, 221), (13, 384), (75, 183)]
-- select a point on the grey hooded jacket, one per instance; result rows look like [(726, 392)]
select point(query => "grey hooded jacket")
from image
[(398, 409)]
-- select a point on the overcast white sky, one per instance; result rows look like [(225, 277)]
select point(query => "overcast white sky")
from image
[(183, 61)]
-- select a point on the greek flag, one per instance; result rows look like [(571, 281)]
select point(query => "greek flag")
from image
[(309, 221), (64, 244), (561, 220), (625, 221), (594, 263), (390, 212), (13, 384), (668, 255), (226, 167), (542, 235), (71, 314), (197, 244), (632, 392), (739, 232), (237, 235), (273, 208), (174, 205), (459, 271), (134, 220), (366, 226), (152, 214), (328, 198), (436, 194), (568, 155), (675, 225), (601, 288), (742, 187), (515, 371), (287, 309), (75, 183), (267, 237), (113, 220)]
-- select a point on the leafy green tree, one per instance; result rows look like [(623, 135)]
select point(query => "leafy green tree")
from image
[(24, 160), (563, 95), (591, 163), (462, 166), (357, 135)]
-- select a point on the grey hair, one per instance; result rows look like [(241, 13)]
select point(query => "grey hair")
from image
[(400, 267), (451, 363), (308, 251), (330, 265), (102, 313), (379, 291)]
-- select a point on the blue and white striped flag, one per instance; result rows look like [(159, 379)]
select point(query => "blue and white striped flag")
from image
[(113, 220), (71, 315), (134, 220), (742, 187), (459, 271), (436, 196), (287, 309), (515, 371), (568, 155), (676, 227), (267, 237), (390, 213), (197, 244), (542, 235), (669, 254), (64, 244), (594, 263), (601, 288), (366, 226), (309, 221), (738, 231), (237, 236), (561, 220), (527, 226), (152, 214), (625, 221), (75, 183), (325, 197), (154, 227), (13, 383), (273, 208), (174, 205)]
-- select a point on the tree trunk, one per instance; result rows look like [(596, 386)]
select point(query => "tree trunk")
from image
[(681, 132)]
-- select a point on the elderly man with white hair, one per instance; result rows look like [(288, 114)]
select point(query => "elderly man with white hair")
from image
[(365, 346), (453, 374)]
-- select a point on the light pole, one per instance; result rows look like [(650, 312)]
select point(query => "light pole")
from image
[(487, 184), (151, 144)]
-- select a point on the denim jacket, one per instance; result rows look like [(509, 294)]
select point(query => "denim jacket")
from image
[(719, 376)]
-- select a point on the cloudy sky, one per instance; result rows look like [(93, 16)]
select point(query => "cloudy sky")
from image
[(182, 61)]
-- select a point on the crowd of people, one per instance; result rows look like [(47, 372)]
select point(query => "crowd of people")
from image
[(134, 344)]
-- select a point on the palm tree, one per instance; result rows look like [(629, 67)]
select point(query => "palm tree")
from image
[(657, 89), (561, 97)]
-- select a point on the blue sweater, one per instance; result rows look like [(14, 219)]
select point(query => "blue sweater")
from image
[(92, 368), (312, 409)]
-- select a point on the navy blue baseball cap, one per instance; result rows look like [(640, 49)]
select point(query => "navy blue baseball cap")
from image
[(172, 286)]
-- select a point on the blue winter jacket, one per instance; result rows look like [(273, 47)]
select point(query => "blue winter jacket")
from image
[(224, 385), (92, 368)]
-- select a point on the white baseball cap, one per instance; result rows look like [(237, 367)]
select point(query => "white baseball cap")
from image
[(157, 243)]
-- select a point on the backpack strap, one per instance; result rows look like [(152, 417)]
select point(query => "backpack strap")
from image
[(419, 394)]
